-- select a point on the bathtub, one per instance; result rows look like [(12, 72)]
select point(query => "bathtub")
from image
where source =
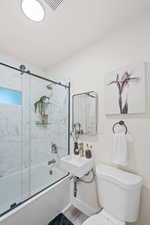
[(42, 176), (18, 187)]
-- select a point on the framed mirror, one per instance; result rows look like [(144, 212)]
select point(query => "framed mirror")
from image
[(84, 113)]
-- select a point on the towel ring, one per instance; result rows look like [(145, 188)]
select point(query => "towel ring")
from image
[(121, 123)]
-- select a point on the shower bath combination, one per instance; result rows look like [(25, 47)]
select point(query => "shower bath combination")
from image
[(27, 149)]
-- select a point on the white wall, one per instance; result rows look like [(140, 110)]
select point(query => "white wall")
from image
[(86, 72)]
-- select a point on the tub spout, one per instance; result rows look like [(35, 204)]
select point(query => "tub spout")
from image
[(53, 161)]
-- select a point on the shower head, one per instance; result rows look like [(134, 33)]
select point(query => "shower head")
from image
[(49, 87), (54, 3)]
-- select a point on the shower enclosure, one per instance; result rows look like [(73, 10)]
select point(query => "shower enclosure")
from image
[(34, 134)]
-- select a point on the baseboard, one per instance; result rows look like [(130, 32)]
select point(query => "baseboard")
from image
[(83, 207)]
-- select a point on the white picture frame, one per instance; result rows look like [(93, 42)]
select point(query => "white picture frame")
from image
[(125, 90)]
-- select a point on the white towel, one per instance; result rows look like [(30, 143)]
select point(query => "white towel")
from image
[(120, 151)]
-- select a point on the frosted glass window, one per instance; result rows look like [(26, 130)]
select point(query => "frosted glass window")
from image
[(8, 96)]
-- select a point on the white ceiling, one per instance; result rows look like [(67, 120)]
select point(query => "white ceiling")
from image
[(73, 26)]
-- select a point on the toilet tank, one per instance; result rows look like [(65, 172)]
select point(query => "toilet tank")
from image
[(119, 192)]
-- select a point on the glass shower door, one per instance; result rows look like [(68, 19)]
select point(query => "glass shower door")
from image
[(34, 134), (49, 132), (10, 138)]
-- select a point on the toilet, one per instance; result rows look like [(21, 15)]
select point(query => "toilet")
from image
[(119, 195)]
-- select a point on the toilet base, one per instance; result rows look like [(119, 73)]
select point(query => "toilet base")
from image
[(103, 218)]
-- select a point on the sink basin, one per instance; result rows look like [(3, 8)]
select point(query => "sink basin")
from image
[(76, 165)]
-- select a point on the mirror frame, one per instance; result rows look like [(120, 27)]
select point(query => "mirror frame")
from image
[(96, 110)]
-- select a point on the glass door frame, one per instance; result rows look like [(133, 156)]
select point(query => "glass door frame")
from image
[(22, 70)]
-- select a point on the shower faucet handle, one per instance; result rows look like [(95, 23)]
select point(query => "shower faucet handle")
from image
[(54, 148)]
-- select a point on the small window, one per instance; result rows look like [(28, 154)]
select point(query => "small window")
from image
[(8, 96)]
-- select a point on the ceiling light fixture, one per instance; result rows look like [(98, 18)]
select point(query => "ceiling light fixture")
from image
[(33, 9)]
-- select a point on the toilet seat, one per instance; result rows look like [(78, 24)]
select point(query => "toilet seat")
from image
[(103, 218)]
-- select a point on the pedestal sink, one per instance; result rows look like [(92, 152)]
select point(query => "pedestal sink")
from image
[(76, 165)]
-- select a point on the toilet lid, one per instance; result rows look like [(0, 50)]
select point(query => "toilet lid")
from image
[(103, 218)]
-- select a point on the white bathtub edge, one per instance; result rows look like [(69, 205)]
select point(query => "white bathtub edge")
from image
[(34, 198)]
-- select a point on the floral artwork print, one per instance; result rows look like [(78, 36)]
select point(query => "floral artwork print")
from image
[(122, 83), (124, 91)]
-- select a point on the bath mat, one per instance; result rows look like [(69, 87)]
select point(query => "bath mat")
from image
[(60, 220)]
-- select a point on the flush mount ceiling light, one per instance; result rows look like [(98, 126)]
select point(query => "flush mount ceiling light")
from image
[(33, 9)]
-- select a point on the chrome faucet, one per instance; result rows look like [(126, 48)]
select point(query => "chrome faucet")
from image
[(54, 148), (53, 161)]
